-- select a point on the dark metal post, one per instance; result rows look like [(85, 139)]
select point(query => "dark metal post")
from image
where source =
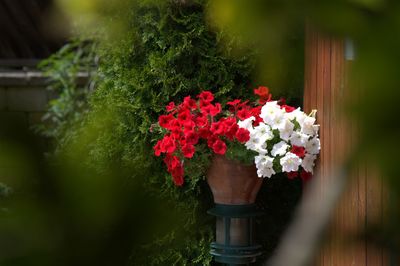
[(237, 246)]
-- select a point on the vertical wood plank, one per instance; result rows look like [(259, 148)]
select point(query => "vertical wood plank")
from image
[(326, 90), (374, 217)]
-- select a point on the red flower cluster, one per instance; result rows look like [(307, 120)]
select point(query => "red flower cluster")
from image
[(299, 151), (201, 120), (288, 108), (195, 120), (304, 175), (263, 93)]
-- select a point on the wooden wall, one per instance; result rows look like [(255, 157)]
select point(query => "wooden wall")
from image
[(327, 90)]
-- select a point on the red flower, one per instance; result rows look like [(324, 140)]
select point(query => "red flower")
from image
[(229, 122), (231, 132), (244, 105), (299, 151), (217, 128), (209, 109), (305, 176), (282, 101), (219, 147), (177, 176), (234, 102), (204, 133), (168, 144), (157, 148), (243, 114), (211, 140), (288, 108), (191, 137), (175, 168), (215, 109), (257, 121), (230, 127), (184, 115), (170, 107), (175, 126), (205, 108), (242, 135), (256, 111), (164, 120), (182, 141), (292, 175), (188, 150), (189, 125), (201, 120), (172, 162), (189, 103), (206, 96), (262, 101), (176, 135), (263, 92)]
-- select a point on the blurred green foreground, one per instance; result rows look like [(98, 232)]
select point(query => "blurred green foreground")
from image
[(102, 199)]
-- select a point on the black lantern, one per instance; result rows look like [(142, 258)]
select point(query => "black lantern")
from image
[(234, 243)]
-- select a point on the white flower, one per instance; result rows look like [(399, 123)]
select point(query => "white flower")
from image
[(290, 162), (298, 115), (258, 138), (279, 121), (308, 162), (272, 113), (308, 126), (286, 130), (298, 139), (247, 123), (263, 132), (313, 146), (264, 166), (279, 149), (261, 149), (256, 144), (276, 118), (253, 143), (265, 172), (264, 160), (315, 128)]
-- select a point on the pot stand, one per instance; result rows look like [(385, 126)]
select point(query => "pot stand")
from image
[(234, 243)]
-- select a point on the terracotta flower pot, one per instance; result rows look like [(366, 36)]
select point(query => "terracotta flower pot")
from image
[(233, 183)]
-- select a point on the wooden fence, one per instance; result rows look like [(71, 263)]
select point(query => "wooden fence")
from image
[(327, 90)]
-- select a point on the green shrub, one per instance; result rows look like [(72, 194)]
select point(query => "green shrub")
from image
[(64, 115), (169, 53)]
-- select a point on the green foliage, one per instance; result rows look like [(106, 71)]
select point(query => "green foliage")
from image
[(237, 152), (65, 112), (198, 165), (169, 53)]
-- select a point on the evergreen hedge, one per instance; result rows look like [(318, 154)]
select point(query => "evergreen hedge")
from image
[(168, 53)]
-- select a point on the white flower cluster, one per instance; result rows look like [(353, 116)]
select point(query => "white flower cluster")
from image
[(274, 139)]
